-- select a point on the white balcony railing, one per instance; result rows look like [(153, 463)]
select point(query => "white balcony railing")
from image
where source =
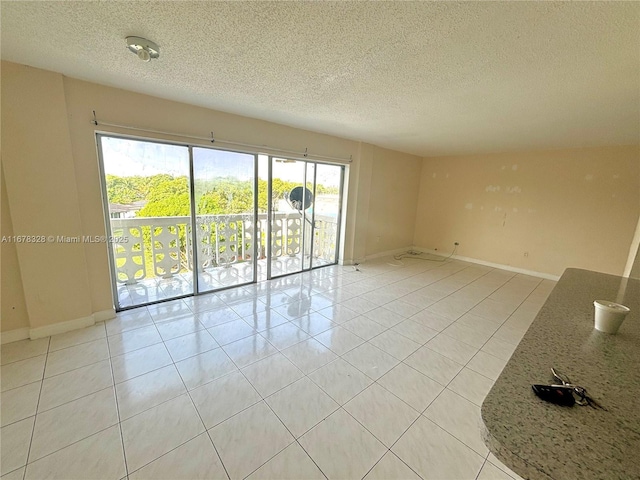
[(163, 246)]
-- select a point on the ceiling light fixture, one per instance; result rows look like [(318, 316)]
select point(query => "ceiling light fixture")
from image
[(143, 48)]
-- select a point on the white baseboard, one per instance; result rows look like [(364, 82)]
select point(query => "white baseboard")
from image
[(14, 335), (350, 261), (501, 266), (353, 261), (61, 327), (104, 315), (56, 328), (387, 253)]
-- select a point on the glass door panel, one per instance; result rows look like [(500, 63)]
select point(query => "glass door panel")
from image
[(225, 221), (304, 215), (286, 219), (263, 220), (308, 214), (147, 193), (326, 209)]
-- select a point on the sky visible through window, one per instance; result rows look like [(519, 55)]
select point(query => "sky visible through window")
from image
[(128, 158)]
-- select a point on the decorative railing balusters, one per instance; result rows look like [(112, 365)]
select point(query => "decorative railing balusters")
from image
[(162, 246)]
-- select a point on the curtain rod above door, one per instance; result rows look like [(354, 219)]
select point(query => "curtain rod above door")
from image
[(256, 148)]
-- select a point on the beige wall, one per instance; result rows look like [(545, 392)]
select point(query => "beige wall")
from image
[(386, 196), (395, 182), (53, 184), (42, 195), (565, 208), (13, 307), (357, 214)]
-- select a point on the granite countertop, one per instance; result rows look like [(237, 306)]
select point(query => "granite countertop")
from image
[(537, 439)]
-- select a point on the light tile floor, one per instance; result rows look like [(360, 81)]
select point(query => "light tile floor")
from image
[(339, 374)]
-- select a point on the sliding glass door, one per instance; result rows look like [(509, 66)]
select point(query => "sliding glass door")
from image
[(305, 201), (147, 193), (287, 217), (184, 219), (225, 205), (326, 213)]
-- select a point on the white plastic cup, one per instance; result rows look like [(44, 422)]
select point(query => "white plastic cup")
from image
[(609, 316)]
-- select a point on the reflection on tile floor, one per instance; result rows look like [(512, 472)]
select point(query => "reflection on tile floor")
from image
[(156, 289), (336, 373)]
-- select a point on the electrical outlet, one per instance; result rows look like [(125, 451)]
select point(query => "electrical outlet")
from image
[(378, 239), (526, 254)]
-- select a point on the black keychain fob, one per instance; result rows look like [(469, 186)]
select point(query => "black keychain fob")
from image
[(555, 394)]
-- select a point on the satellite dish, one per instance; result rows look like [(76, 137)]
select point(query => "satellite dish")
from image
[(299, 196)]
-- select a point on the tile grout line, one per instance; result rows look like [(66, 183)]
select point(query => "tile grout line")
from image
[(340, 407), (391, 452), (262, 399), (115, 396), (206, 431), (35, 417), (186, 392), (492, 336), (81, 366), (484, 462)]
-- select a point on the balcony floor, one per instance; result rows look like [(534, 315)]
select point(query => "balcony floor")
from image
[(157, 289)]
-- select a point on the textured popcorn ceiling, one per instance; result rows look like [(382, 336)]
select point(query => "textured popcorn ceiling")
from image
[(427, 78)]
